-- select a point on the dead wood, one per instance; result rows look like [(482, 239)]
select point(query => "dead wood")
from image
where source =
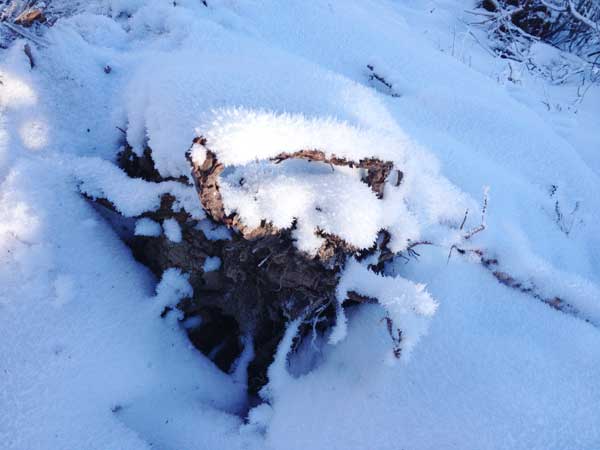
[(28, 17)]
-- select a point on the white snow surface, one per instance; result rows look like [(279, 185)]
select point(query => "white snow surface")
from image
[(87, 361), (172, 230), (147, 227), (212, 263)]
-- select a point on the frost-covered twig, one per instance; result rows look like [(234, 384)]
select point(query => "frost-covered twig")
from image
[(395, 335), (481, 226), (563, 24), (25, 34), (374, 76), (580, 17), (472, 232)]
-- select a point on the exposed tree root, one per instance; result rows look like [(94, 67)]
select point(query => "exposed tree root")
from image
[(493, 266)]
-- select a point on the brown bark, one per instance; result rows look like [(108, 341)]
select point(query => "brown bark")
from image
[(377, 171), (26, 18)]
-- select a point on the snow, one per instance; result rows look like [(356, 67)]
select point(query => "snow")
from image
[(64, 289), (407, 304), (278, 373), (81, 331), (130, 196), (88, 362), (172, 288), (172, 230), (212, 263), (259, 418), (147, 227), (316, 199), (214, 232)]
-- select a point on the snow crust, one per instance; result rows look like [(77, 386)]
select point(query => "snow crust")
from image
[(87, 361)]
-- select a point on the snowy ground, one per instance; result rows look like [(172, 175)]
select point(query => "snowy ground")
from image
[(87, 362)]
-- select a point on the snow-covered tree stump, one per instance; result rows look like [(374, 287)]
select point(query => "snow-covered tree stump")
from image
[(266, 241), (263, 280)]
